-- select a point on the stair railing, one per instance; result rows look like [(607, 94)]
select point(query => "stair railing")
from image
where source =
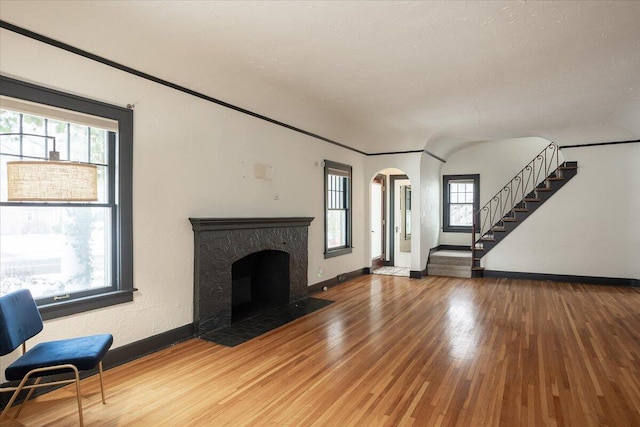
[(513, 193)]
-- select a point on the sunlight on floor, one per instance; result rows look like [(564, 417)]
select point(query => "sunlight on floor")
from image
[(392, 271)]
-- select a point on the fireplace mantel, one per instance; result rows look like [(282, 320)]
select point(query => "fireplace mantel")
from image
[(219, 242), (209, 224)]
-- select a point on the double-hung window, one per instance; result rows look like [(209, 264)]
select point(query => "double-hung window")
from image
[(337, 178), (72, 256), (460, 201)]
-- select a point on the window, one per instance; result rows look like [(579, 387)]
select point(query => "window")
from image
[(72, 256), (337, 202), (461, 198)]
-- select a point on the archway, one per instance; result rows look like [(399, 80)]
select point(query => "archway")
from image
[(390, 210)]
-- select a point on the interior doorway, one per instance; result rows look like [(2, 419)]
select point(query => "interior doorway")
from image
[(378, 221), (390, 215), (402, 223)]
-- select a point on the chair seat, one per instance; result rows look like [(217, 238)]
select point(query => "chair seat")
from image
[(84, 353)]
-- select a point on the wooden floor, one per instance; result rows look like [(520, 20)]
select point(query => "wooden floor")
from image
[(395, 351)]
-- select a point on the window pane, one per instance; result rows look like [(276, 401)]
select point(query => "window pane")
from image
[(468, 198), (453, 187), (32, 124), (453, 198), (9, 144), (58, 130), (79, 144), (54, 250), (336, 228), (9, 121), (460, 215), (98, 146), (34, 146)]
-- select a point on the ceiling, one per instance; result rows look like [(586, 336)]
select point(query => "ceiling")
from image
[(381, 76)]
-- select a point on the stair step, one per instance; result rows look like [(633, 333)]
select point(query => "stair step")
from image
[(498, 229), (520, 210), (449, 270), (567, 168), (544, 189), (559, 178), (507, 219), (529, 200), (446, 261)]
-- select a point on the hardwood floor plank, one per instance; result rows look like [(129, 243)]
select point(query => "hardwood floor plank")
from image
[(394, 351)]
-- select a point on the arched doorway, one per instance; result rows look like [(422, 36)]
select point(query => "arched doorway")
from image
[(390, 211)]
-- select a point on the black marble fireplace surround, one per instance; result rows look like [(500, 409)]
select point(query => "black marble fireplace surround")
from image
[(220, 242)]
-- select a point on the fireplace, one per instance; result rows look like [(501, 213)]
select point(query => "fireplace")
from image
[(259, 281), (243, 265)]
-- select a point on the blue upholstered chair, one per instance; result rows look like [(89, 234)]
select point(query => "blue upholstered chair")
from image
[(19, 321)]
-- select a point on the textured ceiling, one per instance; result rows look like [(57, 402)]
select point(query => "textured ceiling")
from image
[(381, 76)]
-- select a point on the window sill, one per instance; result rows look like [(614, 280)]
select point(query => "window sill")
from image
[(80, 305), (337, 252), (456, 230)]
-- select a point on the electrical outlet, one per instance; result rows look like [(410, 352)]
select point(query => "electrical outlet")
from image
[(276, 196)]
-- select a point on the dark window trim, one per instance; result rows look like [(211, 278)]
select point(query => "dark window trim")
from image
[(122, 286), (445, 200), (347, 249)]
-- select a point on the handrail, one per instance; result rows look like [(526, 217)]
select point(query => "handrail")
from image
[(512, 194)]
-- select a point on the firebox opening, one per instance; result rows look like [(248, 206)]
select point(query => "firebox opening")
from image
[(259, 281)]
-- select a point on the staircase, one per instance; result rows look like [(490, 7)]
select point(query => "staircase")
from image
[(516, 201), (450, 264)]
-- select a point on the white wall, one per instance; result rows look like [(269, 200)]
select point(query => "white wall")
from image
[(431, 199), (496, 162), (589, 228), (192, 158)]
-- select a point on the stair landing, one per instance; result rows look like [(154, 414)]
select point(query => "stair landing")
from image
[(450, 264)]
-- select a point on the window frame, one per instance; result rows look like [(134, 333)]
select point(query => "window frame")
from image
[(121, 289), (346, 248), (446, 179)]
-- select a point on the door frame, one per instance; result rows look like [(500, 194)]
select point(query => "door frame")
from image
[(392, 219), (379, 262)]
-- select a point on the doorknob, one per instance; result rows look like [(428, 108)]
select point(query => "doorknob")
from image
[(396, 228)]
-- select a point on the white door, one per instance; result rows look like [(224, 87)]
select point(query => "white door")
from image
[(377, 222), (402, 223)]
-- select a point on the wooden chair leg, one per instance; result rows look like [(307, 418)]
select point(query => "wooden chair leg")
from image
[(104, 402), (26, 399)]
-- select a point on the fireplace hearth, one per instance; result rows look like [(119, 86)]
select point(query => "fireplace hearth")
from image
[(244, 265)]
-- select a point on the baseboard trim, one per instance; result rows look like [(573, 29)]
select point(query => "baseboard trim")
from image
[(415, 274), (589, 280), (335, 281), (135, 350), (116, 357)]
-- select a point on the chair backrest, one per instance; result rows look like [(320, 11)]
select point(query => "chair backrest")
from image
[(19, 320)]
